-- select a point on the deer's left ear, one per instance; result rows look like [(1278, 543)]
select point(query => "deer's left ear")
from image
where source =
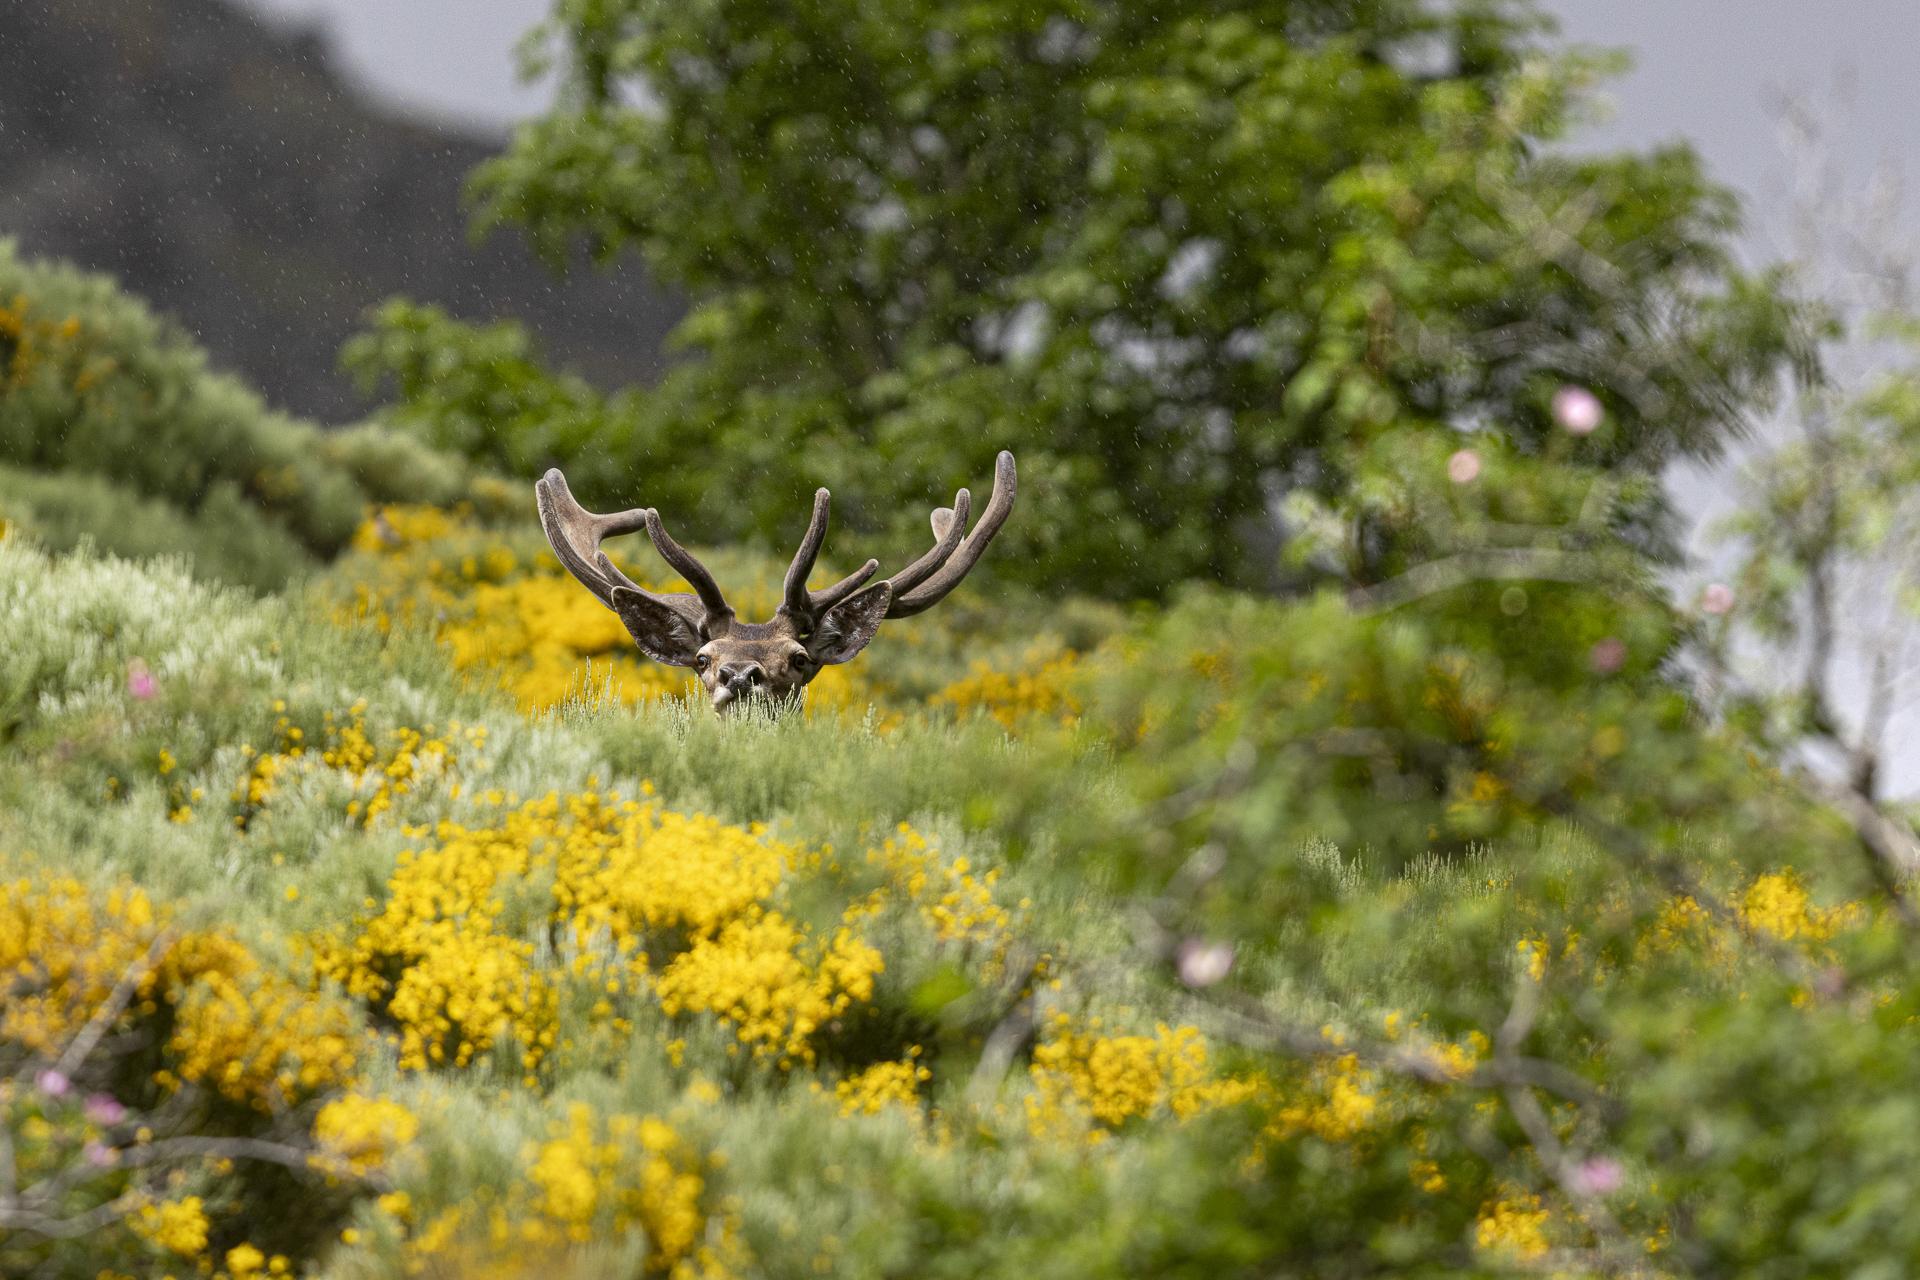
[(844, 630)]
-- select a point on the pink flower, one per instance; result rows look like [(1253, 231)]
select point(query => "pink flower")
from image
[(1597, 1176), (1577, 410), (99, 1155), (52, 1083), (140, 681), (105, 1110), (1201, 964), (1608, 656), (1717, 598), (1463, 467)]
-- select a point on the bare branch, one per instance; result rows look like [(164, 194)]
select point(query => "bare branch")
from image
[(1499, 564), (110, 1009)]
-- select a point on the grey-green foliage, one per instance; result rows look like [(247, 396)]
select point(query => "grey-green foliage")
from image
[(1756, 1096), (94, 383), (227, 539)]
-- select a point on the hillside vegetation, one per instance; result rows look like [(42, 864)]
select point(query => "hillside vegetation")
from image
[(1316, 841), (311, 913)]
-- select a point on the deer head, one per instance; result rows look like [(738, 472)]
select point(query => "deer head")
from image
[(770, 662)]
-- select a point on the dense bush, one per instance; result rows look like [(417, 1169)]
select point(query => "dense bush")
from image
[(227, 539), (93, 384), (649, 993)]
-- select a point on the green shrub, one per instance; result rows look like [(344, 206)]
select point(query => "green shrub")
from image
[(92, 382), (227, 540)]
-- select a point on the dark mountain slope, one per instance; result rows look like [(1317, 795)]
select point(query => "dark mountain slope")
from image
[(219, 166)]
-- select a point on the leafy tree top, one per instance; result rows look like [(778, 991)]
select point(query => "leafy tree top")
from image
[(1185, 256)]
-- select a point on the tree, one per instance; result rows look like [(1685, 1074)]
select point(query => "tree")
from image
[(1186, 257)]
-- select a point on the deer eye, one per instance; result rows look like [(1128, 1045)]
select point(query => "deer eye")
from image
[(701, 661), (800, 660)]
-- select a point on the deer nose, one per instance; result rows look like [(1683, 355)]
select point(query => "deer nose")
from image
[(742, 676)]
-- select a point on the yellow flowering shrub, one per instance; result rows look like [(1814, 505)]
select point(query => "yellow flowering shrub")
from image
[(620, 1168), (775, 987), (593, 1176), (679, 904), (519, 623), (1340, 1101), (1080, 1075), (883, 1085), (953, 898), (363, 1134), (145, 1046), (240, 1029), (258, 1039), (376, 774), (1516, 1226), (177, 1226), (1774, 906), (1014, 696), (1777, 904)]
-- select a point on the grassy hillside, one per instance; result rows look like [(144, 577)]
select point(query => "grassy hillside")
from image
[(336, 955)]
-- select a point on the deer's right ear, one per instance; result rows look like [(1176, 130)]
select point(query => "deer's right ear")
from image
[(661, 632), (846, 628)]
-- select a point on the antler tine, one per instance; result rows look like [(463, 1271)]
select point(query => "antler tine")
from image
[(798, 602), (960, 562), (949, 524), (827, 597), (719, 612), (575, 533)]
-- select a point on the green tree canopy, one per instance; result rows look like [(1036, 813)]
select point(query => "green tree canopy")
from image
[(1183, 256)]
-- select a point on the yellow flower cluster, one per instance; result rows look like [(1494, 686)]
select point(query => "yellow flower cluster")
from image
[(616, 1172), (1015, 696), (1080, 1075), (245, 1262), (238, 1028), (1516, 1226), (178, 1226), (1341, 1102), (1773, 906), (523, 625), (594, 1177), (435, 960), (363, 1134), (390, 528), (764, 977), (1457, 1059), (956, 902), (260, 1040), (635, 889), (62, 950), (378, 776), (883, 1085), (1777, 904)]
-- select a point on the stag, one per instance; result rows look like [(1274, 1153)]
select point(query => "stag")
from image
[(769, 663)]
